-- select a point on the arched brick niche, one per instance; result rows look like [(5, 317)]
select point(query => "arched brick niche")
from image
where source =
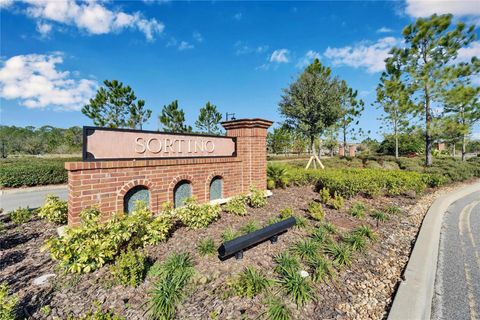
[(217, 178), (128, 191)]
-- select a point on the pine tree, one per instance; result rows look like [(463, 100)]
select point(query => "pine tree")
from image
[(209, 119), (351, 110), (173, 119)]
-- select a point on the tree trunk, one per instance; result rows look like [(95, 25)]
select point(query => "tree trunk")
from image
[(396, 141), (428, 137), (345, 139), (453, 150), (464, 149)]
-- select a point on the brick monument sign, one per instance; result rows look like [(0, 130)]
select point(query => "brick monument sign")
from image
[(120, 166)]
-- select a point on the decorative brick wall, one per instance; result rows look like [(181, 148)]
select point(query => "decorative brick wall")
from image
[(105, 183)]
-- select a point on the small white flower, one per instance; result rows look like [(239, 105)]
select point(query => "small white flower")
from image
[(303, 273)]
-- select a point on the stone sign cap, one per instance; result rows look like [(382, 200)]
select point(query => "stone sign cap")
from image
[(128, 144)]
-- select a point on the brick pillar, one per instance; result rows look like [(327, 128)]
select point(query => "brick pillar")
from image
[(341, 151), (251, 137), (352, 150)]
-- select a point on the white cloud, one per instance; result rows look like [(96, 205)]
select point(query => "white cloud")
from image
[(384, 30), (5, 3), (184, 45), (308, 58), (44, 29), (91, 16), (197, 36), (238, 16), (424, 8), (467, 53), (280, 56), (242, 48), (35, 80), (363, 55)]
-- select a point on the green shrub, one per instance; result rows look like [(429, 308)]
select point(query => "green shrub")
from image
[(206, 247), (330, 228), (315, 211), (324, 195), (379, 216), (20, 215), (229, 234), (340, 253), (285, 261), (286, 213), (237, 205), (336, 202), (301, 222), (251, 226), (320, 268), (276, 310), (305, 249), (97, 313), (356, 241), (196, 216), (129, 268), (32, 173), (321, 236), (277, 176), (250, 283), (357, 210), (54, 210), (393, 209), (90, 246), (366, 231), (257, 198), (169, 290), (8, 304), (296, 286)]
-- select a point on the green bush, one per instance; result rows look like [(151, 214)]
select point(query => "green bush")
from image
[(196, 216), (88, 247), (277, 176), (357, 210), (229, 234), (276, 310), (54, 210), (324, 195), (169, 290), (8, 304), (315, 211), (299, 288), (320, 268), (250, 283), (33, 172), (340, 253), (206, 247), (336, 202), (20, 215), (286, 213), (237, 205), (129, 268), (251, 226), (257, 198), (97, 313)]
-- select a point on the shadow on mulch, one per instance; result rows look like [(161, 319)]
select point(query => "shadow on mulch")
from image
[(16, 239), (11, 258), (33, 301)]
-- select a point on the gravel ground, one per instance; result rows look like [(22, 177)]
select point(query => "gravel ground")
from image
[(362, 291)]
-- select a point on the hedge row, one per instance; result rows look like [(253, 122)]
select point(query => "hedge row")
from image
[(33, 174)]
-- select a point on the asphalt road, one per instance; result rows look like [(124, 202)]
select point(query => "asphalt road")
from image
[(31, 197), (457, 284)]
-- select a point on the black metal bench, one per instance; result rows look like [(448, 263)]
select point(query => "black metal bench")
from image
[(238, 245)]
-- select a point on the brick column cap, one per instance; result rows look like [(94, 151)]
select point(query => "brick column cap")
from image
[(246, 123)]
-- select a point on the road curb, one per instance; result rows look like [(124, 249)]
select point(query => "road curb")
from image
[(40, 188), (415, 293)]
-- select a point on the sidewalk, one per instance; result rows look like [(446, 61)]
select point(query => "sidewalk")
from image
[(34, 197)]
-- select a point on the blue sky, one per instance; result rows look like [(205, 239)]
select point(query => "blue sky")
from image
[(238, 55)]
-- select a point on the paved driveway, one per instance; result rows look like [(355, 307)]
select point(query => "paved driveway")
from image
[(31, 197), (457, 285)]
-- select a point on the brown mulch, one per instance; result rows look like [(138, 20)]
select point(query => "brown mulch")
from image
[(21, 262)]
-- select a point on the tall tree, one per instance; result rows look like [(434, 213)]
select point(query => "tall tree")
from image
[(431, 46), (311, 104), (280, 140), (173, 119), (463, 106), (352, 108), (114, 106), (394, 98), (209, 119)]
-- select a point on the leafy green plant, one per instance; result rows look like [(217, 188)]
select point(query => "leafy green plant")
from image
[(330, 228), (320, 268), (257, 198), (46, 310), (340, 253), (393, 209), (315, 211), (278, 175), (321, 236), (286, 261), (206, 246), (8, 303), (196, 216), (301, 222), (379, 216), (336, 202), (286, 213), (229, 234), (251, 226), (366, 231), (250, 283), (97, 313), (169, 290), (54, 210), (20, 215), (2, 227), (296, 286), (88, 247), (305, 249), (357, 210), (237, 205), (277, 310), (324, 195), (129, 268), (356, 241)]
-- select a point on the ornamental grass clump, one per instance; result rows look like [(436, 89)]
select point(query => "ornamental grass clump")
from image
[(379, 216), (169, 290), (196, 216), (305, 249), (20, 215), (357, 210), (251, 226), (341, 253), (321, 268), (277, 310), (54, 210), (250, 283), (237, 205), (315, 211), (206, 247), (286, 213), (356, 241), (366, 231), (88, 247), (229, 234), (129, 268), (257, 198), (277, 176)]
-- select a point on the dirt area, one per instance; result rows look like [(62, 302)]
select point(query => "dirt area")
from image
[(361, 291)]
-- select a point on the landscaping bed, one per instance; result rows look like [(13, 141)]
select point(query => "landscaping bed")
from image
[(362, 290)]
